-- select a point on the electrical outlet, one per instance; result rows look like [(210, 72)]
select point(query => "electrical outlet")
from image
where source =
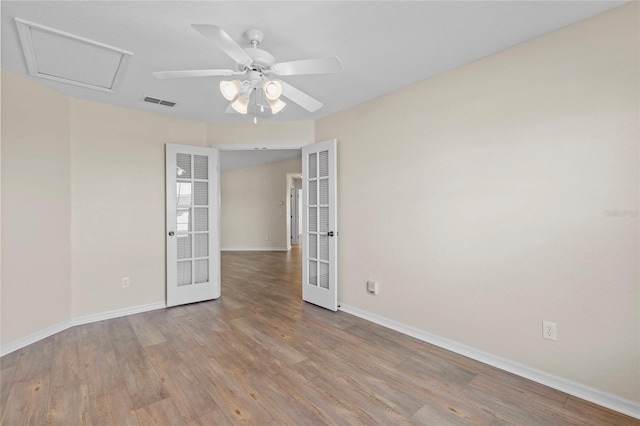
[(266, 237), (372, 287), (549, 330), (126, 282)]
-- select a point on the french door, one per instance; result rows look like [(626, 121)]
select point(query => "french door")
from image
[(192, 237), (320, 249)]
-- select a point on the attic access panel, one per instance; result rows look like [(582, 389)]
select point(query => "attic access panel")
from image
[(67, 58)]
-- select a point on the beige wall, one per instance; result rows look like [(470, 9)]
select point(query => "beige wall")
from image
[(475, 198), (295, 133), (250, 205), (486, 188), (118, 203), (36, 255)]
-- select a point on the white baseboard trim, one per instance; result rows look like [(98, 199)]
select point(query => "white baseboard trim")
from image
[(602, 398), (86, 319), (256, 249), (34, 337)]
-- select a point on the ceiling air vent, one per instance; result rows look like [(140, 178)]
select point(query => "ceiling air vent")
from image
[(159, 101)]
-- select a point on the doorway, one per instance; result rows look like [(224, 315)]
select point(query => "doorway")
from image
[(296, 211)]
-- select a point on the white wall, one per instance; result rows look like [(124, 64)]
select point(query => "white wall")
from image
[(36, 255), (250, 206), (487, 188)]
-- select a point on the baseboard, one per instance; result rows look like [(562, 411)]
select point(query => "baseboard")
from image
[(34, 337), (256, 249), (604, 399), (86, 319)]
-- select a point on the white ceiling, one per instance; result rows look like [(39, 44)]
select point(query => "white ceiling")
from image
[(384, 45)]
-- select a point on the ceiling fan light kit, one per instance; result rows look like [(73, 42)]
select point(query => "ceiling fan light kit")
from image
[(272, 89), (230, 89), (276, 106), (256, 65), (241, 105)]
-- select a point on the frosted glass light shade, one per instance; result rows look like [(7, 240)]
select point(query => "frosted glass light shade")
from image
[(277, 105), (230, 89), (272, 89), (241, 104)]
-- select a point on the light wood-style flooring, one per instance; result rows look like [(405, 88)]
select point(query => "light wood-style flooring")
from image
[(259, 355)]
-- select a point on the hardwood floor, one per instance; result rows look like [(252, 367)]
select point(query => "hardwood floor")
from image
[(259, 355)]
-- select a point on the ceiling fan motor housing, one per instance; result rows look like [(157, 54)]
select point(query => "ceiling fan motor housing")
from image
[(260, 60)]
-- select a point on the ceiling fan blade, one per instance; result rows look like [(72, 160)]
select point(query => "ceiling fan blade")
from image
[(309, 66), (225, 43), (299, 97), (194, 73)]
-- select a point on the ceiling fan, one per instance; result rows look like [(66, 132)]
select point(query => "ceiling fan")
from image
[(256, 89)]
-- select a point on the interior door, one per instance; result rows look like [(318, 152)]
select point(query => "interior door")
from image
[(192, 237), (320, 249)]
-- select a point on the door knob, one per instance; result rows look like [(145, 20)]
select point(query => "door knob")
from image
[(171, 233), (330, 233)]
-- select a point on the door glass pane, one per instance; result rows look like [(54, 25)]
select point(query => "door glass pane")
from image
[(324, 247), (313, 165), (313, 192), (200, 219), (183, 166), (201, 167), (313, 272), (184, 246), (324, 163), (324, 219), (201, 246), (183, 219), (313, 219), (200, 193), (183, 193), (313, 246), (201, 271), (324, 191), (324, 275), (184, 273)]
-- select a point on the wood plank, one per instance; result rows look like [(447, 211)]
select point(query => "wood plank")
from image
[(69, 405), (35, 360), (586, 412), (161, 413), (68, 358), (188, 392), (10, 360), (172, 331), (141, 379), (215, 417), (238, 404), (113, 409), (146, 331), (27, 402), (6, 381), (103, 371)]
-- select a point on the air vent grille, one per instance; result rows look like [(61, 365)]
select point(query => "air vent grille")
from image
[(159, 101)]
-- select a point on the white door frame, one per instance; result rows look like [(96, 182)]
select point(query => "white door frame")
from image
[(290, 176)]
